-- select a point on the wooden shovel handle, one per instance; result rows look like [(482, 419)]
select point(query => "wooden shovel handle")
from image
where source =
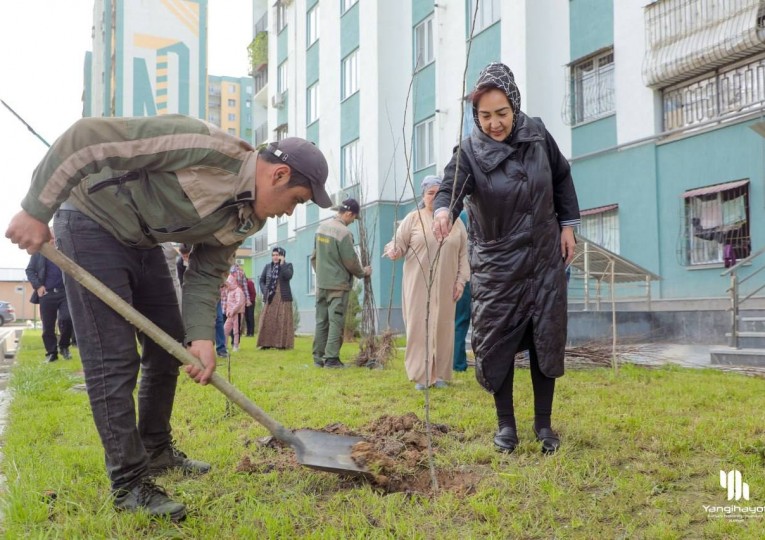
[(111, 299)]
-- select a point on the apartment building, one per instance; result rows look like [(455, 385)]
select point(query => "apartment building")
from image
[(379, 86)]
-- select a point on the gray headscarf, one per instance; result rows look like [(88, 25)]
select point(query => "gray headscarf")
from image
[(498, 75), (427, 183)]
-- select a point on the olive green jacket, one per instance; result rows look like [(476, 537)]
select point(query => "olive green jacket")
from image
[(160, 179), (333, 258)]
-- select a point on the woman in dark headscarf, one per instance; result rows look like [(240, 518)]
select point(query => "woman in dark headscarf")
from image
[(277, 328), (523, 208)]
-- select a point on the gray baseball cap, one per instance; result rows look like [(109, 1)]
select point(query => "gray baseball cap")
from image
[(306, 158)]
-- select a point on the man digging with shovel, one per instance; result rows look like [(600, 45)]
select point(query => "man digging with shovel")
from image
[(117, 188)]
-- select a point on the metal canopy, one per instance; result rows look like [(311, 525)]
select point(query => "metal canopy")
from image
[(598, 263)]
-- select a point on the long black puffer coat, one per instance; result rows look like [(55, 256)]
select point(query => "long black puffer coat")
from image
[(518, 192)]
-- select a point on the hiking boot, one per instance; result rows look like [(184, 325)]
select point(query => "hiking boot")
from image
[(50, 358), (333, 363), (170, 458), (318, 362), (65, 353), (145, 494)]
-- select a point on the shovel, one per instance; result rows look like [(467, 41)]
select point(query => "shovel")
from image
[(314, 449)]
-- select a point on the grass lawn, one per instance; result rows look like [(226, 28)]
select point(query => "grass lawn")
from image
[(641, 456)]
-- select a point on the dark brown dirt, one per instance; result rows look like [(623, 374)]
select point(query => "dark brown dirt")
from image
[(394, 451)]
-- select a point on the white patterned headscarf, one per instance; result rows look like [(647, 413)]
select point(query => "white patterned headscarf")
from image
[(498, 75), (429, 181)]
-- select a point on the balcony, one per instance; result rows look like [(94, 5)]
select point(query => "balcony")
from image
[(261, 134), (687, 38)]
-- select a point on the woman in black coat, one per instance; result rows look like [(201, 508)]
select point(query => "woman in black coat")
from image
[(277, 327), (523, 208)]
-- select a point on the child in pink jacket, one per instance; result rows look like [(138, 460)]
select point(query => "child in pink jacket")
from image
[(232, 303)]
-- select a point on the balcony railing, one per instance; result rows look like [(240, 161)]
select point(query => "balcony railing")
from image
[(260, 80)]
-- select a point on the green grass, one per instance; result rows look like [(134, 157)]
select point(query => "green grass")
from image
[(641, 454)]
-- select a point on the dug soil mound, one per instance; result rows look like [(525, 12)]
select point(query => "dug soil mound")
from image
[(394, 451)]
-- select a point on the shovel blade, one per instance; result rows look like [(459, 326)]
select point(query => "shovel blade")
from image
[(328, 452)]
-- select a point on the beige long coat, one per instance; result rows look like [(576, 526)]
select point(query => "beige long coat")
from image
[(419, 248)]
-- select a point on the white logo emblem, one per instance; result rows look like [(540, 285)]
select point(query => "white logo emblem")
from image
[(733, 482)]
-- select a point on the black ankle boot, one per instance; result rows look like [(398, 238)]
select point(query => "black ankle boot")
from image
[(506, 440)]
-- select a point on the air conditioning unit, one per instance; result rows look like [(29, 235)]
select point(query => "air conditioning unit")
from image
[(277, 101)]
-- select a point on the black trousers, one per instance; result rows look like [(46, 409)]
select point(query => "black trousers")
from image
[(53, 307), (249, 317)]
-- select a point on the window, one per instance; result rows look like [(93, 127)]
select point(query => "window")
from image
[(717, 223), (281, 132), (232, 88), (260, 241), (232, 103), (348, 4), (281, 83), (488, 14), (349, 171), (733, 89), (311, 275), (601, 225), (231, 131), (592, 92), (424, 154), (281, 16), (312, 26), (282, 220), (232, 116), (423, 43), (312, 104), (350, 74)]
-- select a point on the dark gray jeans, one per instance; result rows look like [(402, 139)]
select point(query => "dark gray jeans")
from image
[(107, 343)]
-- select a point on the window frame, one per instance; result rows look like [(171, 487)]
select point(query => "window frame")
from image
[(313, 107), (588, 75), (426, 25), (350, 85), (489, 13), (282, 77), (345, 5), (281, 132), (312, 30), (349, 150), (702, 252), (429, 130), (281, 16), (601, 226)]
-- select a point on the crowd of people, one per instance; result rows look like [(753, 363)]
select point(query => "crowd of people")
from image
[(489, 244)]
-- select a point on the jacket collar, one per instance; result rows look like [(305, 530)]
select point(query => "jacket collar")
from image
[(490, 153)]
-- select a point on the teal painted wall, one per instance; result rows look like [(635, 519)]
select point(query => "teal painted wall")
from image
[(349, 119), (282, 115), (282, 232), (310, 3), (485, 49), (312, 132), (349, 31), (592, 136), (424, 93), (648, 182), (87, 103), (312, 63), (419, 175), (591, 23), (282, 48), (420, 10)]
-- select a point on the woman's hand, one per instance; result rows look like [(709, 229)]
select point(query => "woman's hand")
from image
[(567, 244), (392, 251), (459, 288), (205, 351), (442, 225)]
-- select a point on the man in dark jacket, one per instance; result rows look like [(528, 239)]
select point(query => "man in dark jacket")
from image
[(48, 284)]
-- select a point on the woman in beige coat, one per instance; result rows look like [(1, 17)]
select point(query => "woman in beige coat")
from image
[(429, 363)]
